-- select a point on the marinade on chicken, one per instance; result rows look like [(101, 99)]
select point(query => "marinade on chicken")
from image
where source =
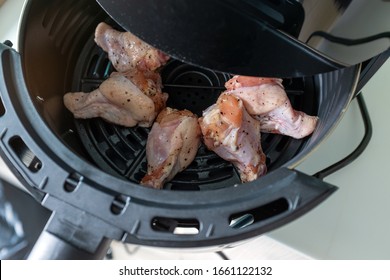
[(118, 100), (171, 146), (234, 135), (126, 51), (266, 100), (133, 95)]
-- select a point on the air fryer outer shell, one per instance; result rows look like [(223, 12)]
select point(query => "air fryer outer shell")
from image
[(91, 206)]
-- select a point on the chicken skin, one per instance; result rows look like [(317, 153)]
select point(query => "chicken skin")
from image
[(234, 135), (133, 95), (127, 51), (120, 101), (171, 146), (266, 100), (149, 82)]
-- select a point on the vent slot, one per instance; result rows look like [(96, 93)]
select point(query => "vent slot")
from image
[(119, 204), (2, 108), (24, 153), (262, 213), (176, 226), (72, 182)]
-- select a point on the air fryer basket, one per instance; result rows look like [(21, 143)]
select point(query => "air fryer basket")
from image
[(86, 171), (121, 151)]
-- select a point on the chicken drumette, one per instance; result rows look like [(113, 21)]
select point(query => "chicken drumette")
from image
[(234, 135), (266, 100), (171, 146)]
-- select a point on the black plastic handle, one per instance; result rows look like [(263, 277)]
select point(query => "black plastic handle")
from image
[(51, 247)]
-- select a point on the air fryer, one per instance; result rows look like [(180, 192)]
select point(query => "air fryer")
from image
[(87, 171)]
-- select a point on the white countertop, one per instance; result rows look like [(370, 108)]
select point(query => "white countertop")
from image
[(353, 223)]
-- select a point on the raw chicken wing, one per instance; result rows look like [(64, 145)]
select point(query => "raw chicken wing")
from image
[(171, 146), (127, 51), (120, 101), (133, 95), (234, 135), (266, 99)]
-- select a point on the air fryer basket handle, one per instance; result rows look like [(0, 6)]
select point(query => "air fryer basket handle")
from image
[(51, 247)]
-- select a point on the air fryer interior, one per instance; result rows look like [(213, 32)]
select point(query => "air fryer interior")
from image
[(121, 151), (59, 55), (89, 169)]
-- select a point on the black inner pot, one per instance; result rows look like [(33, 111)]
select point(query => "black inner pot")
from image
[(89, 168)]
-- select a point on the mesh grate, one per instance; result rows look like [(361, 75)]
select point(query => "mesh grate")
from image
[(121, 151)]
